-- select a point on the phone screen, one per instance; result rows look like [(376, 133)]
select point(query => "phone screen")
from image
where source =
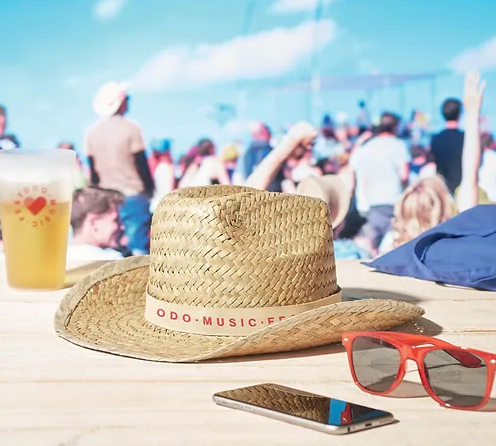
[(298, 403)]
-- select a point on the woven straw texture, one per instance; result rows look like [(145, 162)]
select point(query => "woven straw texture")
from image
[(240, 247), (291, 401), (223, 247)]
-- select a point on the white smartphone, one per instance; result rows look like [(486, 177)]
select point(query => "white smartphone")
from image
[(304, 409)]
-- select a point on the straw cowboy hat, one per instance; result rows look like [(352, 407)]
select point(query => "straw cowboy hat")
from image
[(332, 190), (232, 271), (109, 98)]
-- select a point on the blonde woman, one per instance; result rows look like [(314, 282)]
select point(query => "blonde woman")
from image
[(423, 205)]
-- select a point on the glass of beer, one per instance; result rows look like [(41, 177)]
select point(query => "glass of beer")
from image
[(35, 209)]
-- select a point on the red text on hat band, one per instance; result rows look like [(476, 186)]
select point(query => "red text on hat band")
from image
[(224, 321)]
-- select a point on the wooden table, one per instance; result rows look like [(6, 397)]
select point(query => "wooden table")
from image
[(53, 393)]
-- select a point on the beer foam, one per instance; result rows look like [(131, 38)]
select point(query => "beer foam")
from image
[(33, 174)]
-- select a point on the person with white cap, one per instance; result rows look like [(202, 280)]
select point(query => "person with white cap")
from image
[(116, 152)]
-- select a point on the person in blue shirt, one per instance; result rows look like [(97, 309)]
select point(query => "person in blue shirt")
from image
[(258, 149)]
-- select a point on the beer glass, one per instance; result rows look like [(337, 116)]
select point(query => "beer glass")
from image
[(36, 189)]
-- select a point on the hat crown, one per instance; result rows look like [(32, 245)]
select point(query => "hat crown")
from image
[(109, 97), (109, 91), (238, 247)]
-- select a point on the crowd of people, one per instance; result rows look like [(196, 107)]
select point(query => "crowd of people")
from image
[(385, 182)]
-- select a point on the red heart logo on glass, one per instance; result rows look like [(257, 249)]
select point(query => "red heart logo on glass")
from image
[(35, 205)]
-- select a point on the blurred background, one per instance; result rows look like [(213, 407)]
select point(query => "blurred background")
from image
[(207, 68), (213, 86)]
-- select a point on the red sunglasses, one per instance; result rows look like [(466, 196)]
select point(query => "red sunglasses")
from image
[(455, 377)]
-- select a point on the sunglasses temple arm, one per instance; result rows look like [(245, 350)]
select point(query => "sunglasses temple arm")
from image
[(467, 359)]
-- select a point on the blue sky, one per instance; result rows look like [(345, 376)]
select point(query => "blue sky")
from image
[(185, 56)]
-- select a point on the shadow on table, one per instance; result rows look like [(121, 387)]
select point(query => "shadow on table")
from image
[(74, 275), (418, 326), (367, 293)]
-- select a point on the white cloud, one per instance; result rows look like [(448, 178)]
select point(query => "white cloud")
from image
[(256, 56), (481, 57), (108, 9), (291, 6)]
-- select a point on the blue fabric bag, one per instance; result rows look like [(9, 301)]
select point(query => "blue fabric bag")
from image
[(461, 251)]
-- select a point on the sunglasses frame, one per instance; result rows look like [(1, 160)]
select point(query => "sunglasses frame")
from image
[(416, 347)]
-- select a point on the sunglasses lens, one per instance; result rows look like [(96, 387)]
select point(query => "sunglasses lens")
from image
[(376, 363), (457, 377)]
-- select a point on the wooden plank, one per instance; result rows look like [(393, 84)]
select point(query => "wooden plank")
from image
[(167, 413), (243, 430), (50, 352), (54, 393)]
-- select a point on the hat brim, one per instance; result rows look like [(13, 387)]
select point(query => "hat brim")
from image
[(332, 190), (105, 312)]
